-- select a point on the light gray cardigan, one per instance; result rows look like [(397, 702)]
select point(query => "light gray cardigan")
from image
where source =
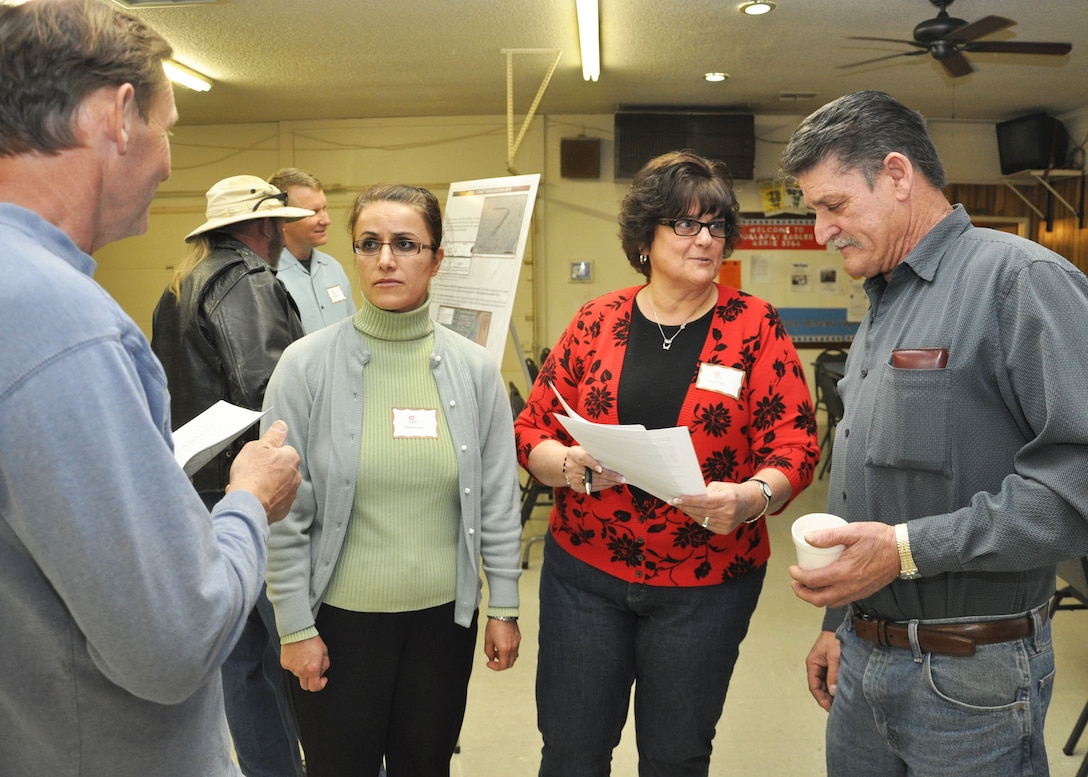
[(317, 390)]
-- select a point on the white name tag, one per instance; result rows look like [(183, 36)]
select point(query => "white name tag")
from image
[(412, 422), (336, 294), (720, 379)]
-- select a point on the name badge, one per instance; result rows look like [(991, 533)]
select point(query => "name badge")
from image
[(412, 422), (336, 294), (720, 379)]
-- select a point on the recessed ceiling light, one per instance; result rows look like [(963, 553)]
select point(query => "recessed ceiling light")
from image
[(713, 77), (756, 7)]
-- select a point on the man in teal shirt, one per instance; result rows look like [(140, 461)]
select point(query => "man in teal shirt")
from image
[(315, 280)]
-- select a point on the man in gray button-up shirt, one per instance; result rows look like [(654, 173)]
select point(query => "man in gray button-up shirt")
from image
[(959, 463)]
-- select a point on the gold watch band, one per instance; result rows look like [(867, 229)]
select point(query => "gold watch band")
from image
[(908, 570)]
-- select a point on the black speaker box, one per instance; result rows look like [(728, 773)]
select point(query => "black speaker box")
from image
[(643, 135), (580, 157)]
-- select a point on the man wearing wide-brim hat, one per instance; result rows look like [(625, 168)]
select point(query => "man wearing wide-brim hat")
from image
[(219, 330)]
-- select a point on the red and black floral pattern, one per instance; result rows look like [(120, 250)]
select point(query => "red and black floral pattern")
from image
[(771, 423)]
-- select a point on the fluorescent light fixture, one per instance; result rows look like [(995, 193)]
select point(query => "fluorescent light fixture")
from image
[(180, 74), (589, 37), (756, 7), (715, 77)]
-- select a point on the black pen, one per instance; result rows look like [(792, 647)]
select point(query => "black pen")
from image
[(589, 480)]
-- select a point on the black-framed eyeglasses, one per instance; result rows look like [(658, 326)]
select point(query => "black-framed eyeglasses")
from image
[(690, 227), (282, 197), (402, 246)]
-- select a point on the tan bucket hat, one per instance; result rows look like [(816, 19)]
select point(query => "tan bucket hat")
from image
[(243, 198)]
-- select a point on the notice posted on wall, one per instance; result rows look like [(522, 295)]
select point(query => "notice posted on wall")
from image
[(485, 230)]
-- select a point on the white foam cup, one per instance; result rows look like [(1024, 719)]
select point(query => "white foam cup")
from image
[(809, 557)]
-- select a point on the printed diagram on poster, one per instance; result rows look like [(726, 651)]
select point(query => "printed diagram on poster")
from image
[(761, 269), (829, 280), (485, 229), (859, 301), (800, 277)]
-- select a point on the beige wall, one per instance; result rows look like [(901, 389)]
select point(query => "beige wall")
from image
[(347, 156), (574, 220)]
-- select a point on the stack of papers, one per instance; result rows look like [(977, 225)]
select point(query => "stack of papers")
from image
[(661, 462), (200, 440)]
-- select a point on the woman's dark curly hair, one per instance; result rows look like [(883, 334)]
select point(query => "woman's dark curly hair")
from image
[(675, 185)]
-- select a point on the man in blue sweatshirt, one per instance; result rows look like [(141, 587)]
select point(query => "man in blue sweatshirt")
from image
[(120, 595)]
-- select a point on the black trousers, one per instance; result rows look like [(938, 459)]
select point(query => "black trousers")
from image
[(398, 684)]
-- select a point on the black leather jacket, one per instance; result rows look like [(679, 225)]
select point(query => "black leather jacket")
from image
[(220, 339)]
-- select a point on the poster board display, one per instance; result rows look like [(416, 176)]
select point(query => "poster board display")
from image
[(820, 304), (485, 229)]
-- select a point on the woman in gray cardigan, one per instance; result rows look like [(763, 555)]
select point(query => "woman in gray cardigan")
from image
[(409, 481)]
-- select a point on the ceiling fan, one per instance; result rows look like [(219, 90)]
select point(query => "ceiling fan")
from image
[(947, 38)]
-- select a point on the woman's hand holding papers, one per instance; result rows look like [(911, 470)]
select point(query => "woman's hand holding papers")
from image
[(558, 466)]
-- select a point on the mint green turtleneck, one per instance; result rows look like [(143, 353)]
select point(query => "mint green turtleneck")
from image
[(400, 552)]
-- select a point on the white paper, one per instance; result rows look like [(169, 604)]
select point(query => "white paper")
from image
[(661, 462), (201, 439)]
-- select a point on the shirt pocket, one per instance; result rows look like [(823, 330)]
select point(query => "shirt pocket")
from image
[(911, 421)]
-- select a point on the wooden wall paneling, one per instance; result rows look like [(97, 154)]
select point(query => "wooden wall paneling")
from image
[(1066, 237)]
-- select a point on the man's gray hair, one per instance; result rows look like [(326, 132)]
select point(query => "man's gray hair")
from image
[(859, 130)]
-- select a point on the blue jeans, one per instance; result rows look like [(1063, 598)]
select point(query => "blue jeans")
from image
[(257, 711), (906, 712), (598, 634)]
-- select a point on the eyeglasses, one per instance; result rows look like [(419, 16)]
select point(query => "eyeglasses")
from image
[(368, 246), (690, 227), (282, 197)]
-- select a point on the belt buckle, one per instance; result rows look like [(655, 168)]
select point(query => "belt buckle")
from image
[(858, 613)]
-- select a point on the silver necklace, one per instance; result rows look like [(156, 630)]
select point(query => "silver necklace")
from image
[(666, 342)]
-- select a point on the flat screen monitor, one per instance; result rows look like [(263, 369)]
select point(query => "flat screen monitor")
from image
[(1034, 142)]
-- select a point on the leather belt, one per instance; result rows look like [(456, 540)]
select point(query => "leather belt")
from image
[(947, 639)]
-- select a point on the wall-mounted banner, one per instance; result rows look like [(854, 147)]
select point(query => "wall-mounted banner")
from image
[(779, 235)]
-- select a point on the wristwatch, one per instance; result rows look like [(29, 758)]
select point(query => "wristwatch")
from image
[(908, 570), (767, 494)]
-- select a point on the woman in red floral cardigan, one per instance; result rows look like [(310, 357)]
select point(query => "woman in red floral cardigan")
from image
[(635, 590)]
